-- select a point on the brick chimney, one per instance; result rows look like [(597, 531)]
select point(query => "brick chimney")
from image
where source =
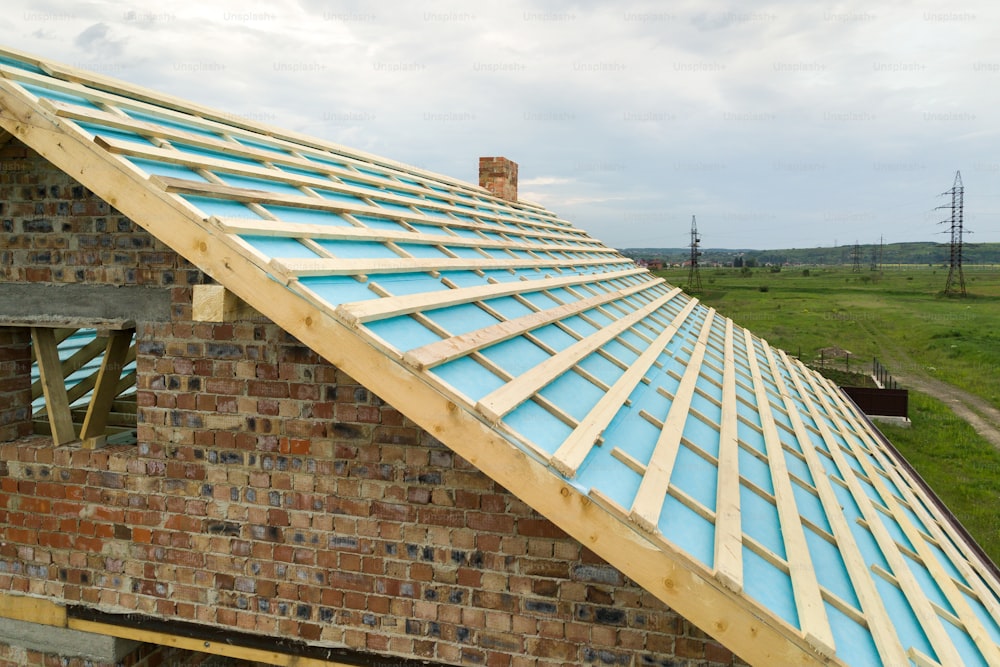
[(499, 176)]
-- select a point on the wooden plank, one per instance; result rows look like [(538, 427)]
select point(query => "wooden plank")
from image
[(890, 650), (499, 402), (648, 503), (214, 303), (973, 625), (921, 659), (742, 625), (914, 594), (106, 384), (376, 309), (32, 610), (630, 462), (728, 522), (291, 269), (283, 229), (199, 645), (575, 448), (53, 386), (439, 352), (805, 586), (78, 360)]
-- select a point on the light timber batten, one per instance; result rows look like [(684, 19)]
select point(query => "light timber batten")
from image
[(281, 228), (805, 586), (501, 401), (648, 503), (301, 268), (929, 621), (886, 640), (728, 530), (433, 354), (575, 448), (365, 311), (929, 559)]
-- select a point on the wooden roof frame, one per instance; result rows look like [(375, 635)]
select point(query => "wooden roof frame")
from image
[(754, 383)]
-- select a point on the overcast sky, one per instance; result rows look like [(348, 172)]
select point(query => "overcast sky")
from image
[(779, 124)]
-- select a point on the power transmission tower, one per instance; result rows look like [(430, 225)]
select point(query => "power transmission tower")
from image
[(856, 256), (881, 251), (874, 266), (955, 286), (694, 275)]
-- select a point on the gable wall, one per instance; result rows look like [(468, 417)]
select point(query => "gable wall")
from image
[(273, 494)]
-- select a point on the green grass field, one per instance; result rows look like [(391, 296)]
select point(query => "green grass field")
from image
[(899, 316)]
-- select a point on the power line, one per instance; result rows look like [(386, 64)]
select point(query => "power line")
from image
[(955, 285), (694, 275)]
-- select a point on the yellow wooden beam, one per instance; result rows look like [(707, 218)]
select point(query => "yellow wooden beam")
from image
[(32, 610), (106, 384), (53, 385), (728, 516), (214, 303), (199, 645)]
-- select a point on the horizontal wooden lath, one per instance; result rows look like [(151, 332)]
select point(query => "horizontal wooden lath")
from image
[(366, 311), (283, 229)]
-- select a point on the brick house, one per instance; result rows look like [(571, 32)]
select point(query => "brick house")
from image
[(325, 408)]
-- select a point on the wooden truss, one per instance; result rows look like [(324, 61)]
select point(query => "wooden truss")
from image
[(723, 476), (104, 413)]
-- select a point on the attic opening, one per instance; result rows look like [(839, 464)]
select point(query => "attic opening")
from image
[(83, 383)]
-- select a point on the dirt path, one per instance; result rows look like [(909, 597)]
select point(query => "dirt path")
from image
[(983, 416)]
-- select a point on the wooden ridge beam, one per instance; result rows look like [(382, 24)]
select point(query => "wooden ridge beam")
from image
[(805, 586), (448, 349), (575, 448), (501, 401), (359, 312), (648, 503)]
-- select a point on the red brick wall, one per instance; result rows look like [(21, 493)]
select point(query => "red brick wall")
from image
[(273, 494), (15, 383), (55, 230)]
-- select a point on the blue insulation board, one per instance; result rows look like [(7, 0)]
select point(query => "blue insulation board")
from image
[(769, 586), (688, 530)]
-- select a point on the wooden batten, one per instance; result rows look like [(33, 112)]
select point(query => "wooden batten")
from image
[(214, 303)]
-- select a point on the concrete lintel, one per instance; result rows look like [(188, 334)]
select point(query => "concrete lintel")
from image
[(42, 303), (65, 642)]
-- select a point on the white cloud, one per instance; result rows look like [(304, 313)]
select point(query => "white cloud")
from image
[(619, 114)]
